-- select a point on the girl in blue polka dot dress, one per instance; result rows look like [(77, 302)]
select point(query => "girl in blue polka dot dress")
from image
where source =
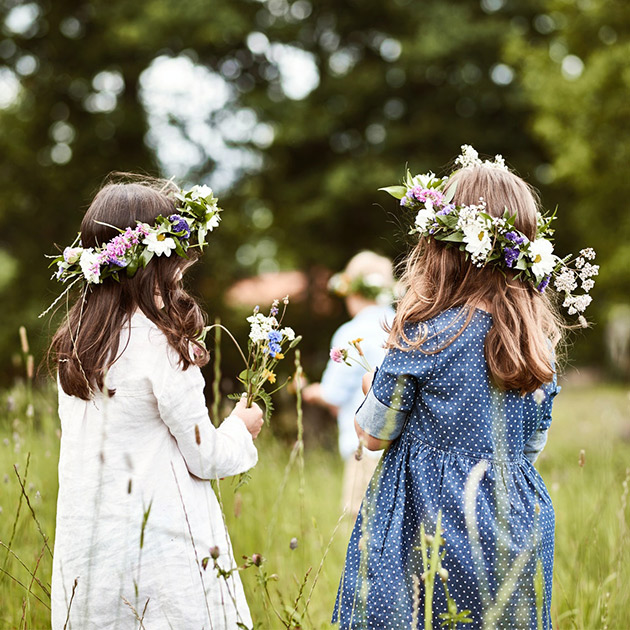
[(466, 386)]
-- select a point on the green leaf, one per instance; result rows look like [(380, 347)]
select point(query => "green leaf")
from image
[(450, 193), (395, 191), (451, 238), (146, 257), (132, 267)]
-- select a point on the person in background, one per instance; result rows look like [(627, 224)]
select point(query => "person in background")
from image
[(366, 285)]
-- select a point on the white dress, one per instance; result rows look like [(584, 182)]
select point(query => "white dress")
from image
[(136, 515)]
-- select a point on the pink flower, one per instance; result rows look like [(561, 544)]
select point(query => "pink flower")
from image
[(337, 355)]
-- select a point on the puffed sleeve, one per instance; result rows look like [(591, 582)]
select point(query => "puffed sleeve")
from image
[(209, 452), (538, 439), (396, 384)]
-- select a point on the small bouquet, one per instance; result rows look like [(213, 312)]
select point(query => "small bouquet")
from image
[(267, 345), (342, 355)]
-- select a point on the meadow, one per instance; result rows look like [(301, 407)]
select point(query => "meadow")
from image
[(288, 512)]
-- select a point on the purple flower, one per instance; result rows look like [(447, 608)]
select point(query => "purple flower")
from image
[(511, 255), (543, 284), (180, 224), (274, 349), (447, 209), (274, 311), (515, 237)]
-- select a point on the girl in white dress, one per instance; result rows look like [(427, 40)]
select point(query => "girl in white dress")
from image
[(139, 528)]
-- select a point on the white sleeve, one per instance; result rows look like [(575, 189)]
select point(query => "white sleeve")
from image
[(209, 452)]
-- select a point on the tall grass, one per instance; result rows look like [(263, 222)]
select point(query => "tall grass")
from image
[(289, 514)]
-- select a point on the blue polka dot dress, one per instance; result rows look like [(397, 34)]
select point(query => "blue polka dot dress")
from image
[(446, 420)]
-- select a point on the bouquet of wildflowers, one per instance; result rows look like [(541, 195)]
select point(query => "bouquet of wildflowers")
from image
[(342, 355), (267, 345)]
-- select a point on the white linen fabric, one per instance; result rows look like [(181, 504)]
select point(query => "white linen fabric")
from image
[(136, 514)]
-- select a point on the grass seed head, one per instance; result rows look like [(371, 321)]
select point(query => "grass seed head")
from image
[(582, 458)]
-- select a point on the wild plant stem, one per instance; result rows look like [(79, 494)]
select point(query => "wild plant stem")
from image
[(17, 514), (216, 382)]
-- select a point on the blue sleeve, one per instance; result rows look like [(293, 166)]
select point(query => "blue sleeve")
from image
[(392, 396), (551, 391), (538, 439), (535, 445)]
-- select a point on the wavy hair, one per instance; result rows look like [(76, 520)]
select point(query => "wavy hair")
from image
[(520, 346), (86, 343)]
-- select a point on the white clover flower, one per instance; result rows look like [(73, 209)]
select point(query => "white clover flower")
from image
[(478, 240), (424, 217), (468, 215), (200, 192), (468, 157), (289, 333), (577, 303), (261, 326), (90, 266), (159, 243), (566, 281), (499, 162), (542, 256), (589, 270), (587, 285)]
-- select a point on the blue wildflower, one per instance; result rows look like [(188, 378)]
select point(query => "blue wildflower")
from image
[(511, 255), (180, 224), (274, 336), (543, 284)]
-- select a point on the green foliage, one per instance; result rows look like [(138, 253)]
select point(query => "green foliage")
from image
[(592, 557), (398, 82), (574, 73)]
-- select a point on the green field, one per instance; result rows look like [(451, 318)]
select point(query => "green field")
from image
[(592, 561)]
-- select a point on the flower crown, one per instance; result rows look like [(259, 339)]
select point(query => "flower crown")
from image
[(196, 214), (371, 286), (495, 240)]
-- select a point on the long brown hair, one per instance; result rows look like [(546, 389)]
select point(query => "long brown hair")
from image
[(87, 342), (525, 325)]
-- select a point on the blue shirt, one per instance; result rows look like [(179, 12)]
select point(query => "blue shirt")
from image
[(341, 384)]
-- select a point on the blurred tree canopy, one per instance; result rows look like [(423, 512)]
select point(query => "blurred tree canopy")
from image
[(296, 113)]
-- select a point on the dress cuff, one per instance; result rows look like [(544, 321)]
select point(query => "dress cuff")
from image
[(379, 420), (535, 445), (234, 426)]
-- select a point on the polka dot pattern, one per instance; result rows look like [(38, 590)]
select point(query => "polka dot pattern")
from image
[(449, 418)]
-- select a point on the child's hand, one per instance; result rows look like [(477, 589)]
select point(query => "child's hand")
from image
[(366, 382), (251, 416)]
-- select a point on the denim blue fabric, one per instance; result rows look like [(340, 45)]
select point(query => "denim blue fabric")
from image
[(447, 418)]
